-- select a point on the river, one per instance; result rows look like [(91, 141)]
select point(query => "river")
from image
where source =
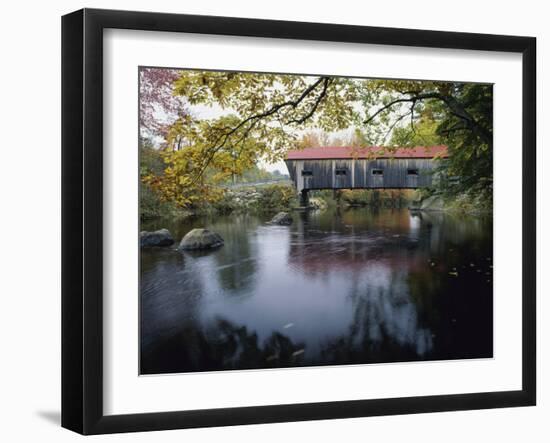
[(336, 287)]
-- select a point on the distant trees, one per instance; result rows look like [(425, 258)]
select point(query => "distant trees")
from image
[(317, 138)]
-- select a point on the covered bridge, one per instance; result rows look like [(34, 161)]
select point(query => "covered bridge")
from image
[(345, 167)]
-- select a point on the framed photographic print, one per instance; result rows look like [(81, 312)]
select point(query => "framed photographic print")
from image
[(269, 221)]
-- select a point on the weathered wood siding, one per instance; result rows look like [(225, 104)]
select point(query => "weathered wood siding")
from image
[(321, 177), (349, 174)]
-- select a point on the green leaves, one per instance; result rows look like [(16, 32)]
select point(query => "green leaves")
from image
[(412, 113)]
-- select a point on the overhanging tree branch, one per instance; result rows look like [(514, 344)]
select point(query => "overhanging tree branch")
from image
[(454, 106), (326, 82), (253, 119)]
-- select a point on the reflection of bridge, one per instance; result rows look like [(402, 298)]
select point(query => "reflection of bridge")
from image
[(362, 168)]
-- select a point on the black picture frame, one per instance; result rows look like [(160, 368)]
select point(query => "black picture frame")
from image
[(82, 216)]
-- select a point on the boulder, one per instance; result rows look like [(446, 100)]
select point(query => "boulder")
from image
[(162, 237), (282, 218), (432, 203), (200, 238)]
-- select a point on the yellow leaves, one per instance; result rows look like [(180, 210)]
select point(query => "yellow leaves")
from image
[(189, 181), (184, 181)]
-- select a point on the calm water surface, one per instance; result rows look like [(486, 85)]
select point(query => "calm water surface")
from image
[(336, 287)]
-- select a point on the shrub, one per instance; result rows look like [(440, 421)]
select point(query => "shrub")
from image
[(390, 198), (276, 198), (151, 206)]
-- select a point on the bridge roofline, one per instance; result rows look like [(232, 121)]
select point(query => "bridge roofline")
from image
[(369, 152)]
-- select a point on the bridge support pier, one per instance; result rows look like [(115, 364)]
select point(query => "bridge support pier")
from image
[(304, 198), (337, 195)]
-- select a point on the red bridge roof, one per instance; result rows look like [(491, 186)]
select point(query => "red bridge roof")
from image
[(344, 152)]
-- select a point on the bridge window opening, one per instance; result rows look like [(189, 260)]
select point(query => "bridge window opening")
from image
[(412, 171), (341, 171), (377, 172), (307, 173)]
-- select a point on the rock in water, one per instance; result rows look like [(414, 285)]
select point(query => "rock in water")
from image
[(162, 237), (282, 218), (200, 239)]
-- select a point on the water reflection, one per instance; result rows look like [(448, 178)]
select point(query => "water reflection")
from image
[(335, 287)]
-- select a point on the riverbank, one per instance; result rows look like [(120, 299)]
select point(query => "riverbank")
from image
[(253, 199), (471, 202), (270, 199), (463, 203)]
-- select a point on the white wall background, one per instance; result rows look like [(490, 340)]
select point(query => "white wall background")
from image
[(30, 219)]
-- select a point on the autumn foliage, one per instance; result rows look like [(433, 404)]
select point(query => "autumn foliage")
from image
[(209, 127)]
